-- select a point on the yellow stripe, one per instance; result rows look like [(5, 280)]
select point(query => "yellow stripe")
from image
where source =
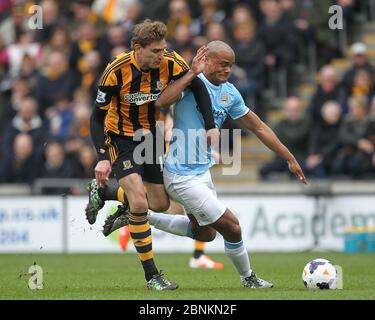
[(139, 228), (180, 61), (107, 142), (113, 66), (112, 153), (146, 256), (142, 242), (111, 69), (199, 245), (121, 195)]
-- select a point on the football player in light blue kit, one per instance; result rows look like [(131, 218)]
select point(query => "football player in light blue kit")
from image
[(187, 177)]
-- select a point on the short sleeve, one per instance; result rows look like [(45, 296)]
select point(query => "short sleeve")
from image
[(107, 88), (238, 107)]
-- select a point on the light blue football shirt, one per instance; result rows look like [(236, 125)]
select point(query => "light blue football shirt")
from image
[(188, 152)]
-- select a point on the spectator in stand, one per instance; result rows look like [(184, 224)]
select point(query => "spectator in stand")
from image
[(29, 70), (86, 42), (349, 7), (293, 131), (5, 22), (15, 53), (11, 100), (85, 162), (115, 36), (182, 43), (323, 143), (279, 38), (83, 14), (13, 22), (60, 117), (310, 19), (112, 12), (210, 12), (58, 41), (351, 133), (19, 167), (134, 15), (364, 158), (90, 73), (328, 90), (27, 121), (51, 20), (361, 60), (155, 9), (363, 86), (79, 134), (179, 13), (55, 81), (55, 166), (249, 51)]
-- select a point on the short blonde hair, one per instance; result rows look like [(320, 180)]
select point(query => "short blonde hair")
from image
[(147, 32)]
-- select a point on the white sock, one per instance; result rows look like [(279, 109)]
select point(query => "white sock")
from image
[(171, 223), (239, 256)]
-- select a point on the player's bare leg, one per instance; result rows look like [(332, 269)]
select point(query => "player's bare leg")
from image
[(228, 226)]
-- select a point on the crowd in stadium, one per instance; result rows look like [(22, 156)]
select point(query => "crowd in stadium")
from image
[(48, 78)]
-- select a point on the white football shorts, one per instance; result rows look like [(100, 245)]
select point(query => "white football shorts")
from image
[(197, 195)]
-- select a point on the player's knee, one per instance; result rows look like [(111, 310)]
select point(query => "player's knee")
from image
[(211, 235), (138, 203), (205, 236), (161, 205), (234, 230)]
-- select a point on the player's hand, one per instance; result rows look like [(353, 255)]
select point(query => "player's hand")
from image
[(295, 168), (102, 172), (213, 136), (199, 61)]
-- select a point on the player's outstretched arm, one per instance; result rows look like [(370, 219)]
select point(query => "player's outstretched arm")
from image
[(252, 122)]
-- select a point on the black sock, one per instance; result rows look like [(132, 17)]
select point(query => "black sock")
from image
[(149, 269), (197, 253), (108, 193)]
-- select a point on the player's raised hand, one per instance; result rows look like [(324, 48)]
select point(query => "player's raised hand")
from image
[(199, 60), (102, 172), (295, 168)]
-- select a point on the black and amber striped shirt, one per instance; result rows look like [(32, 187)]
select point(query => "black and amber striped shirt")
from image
[(129, 93)]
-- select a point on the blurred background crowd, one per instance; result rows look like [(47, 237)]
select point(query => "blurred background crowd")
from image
[(48, 77)]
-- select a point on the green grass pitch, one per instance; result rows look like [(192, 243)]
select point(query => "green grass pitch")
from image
[(119, 276)]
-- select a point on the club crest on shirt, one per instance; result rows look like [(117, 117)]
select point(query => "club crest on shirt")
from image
[(127, 165), (224, 98), (160, 85)]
